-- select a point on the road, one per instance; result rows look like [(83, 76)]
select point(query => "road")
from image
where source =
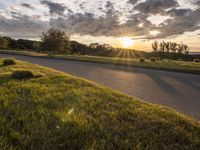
[(180, 91)]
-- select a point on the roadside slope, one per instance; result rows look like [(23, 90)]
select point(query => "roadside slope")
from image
[(177, 90), (58, 111)]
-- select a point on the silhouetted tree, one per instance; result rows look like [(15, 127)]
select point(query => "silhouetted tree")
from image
[(162, 46), (155, 46), (94, 45), (186, 49), (167, 47), (180, 48), (170, 47), (56, 41), (173, 47)]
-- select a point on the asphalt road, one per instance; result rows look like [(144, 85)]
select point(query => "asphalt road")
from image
[(180, 91)]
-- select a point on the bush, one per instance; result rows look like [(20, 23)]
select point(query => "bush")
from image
[(153, 59), (142, 60), (8, 62), (196, 60), (22, 74)]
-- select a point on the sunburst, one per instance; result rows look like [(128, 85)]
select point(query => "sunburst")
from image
[(126, 42)]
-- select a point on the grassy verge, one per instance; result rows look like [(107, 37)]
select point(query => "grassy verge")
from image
[(58, 111), (178, 66)]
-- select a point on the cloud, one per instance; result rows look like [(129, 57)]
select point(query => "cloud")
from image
[(156, 6), (196, 2), (180, 24), (26, 5), (133, 1), (178, 12), (106, 23), (109, 8), (85, 24), (54, 8), (181, 20), (88, 24), (23, 27)]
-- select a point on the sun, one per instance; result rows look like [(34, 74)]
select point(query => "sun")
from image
[(126, 42)]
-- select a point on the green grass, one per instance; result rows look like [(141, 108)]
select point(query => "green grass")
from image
[(59, 111), (178, 66)]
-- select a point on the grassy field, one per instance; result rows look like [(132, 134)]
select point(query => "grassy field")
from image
[(178, 66), (54, 110)]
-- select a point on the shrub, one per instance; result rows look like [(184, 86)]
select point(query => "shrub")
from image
[(196, 60), (22, 74), (7, 62), (142, 60), (153, 59)]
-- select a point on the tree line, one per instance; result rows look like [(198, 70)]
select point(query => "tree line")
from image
[(20, 44), (55, 41), (170, 47)]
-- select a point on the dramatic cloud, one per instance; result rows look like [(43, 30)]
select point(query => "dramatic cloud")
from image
[(197, 2), (54, 8), (88, 24), (110, 8), (23, 27), (26, 5), (133, 1), (181, 21), (180, 24), (156, 6), (178, 12), (103, 18)]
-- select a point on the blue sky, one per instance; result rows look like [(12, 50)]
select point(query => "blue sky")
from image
[(105, 21)]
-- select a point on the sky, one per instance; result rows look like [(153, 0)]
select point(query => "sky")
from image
[(105, 21)]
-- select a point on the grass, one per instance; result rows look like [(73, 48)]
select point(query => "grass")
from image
[(171, 65), (59, 111)]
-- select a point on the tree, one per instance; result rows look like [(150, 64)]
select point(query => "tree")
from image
[(94, 45), (170, 47), (55, 41), (155, 46), (162, 46), (173, 47), (167, 46), (180, 48), (186, 49), (3, 43)]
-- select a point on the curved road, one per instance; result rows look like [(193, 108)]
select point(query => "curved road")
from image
[(177, 90)]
